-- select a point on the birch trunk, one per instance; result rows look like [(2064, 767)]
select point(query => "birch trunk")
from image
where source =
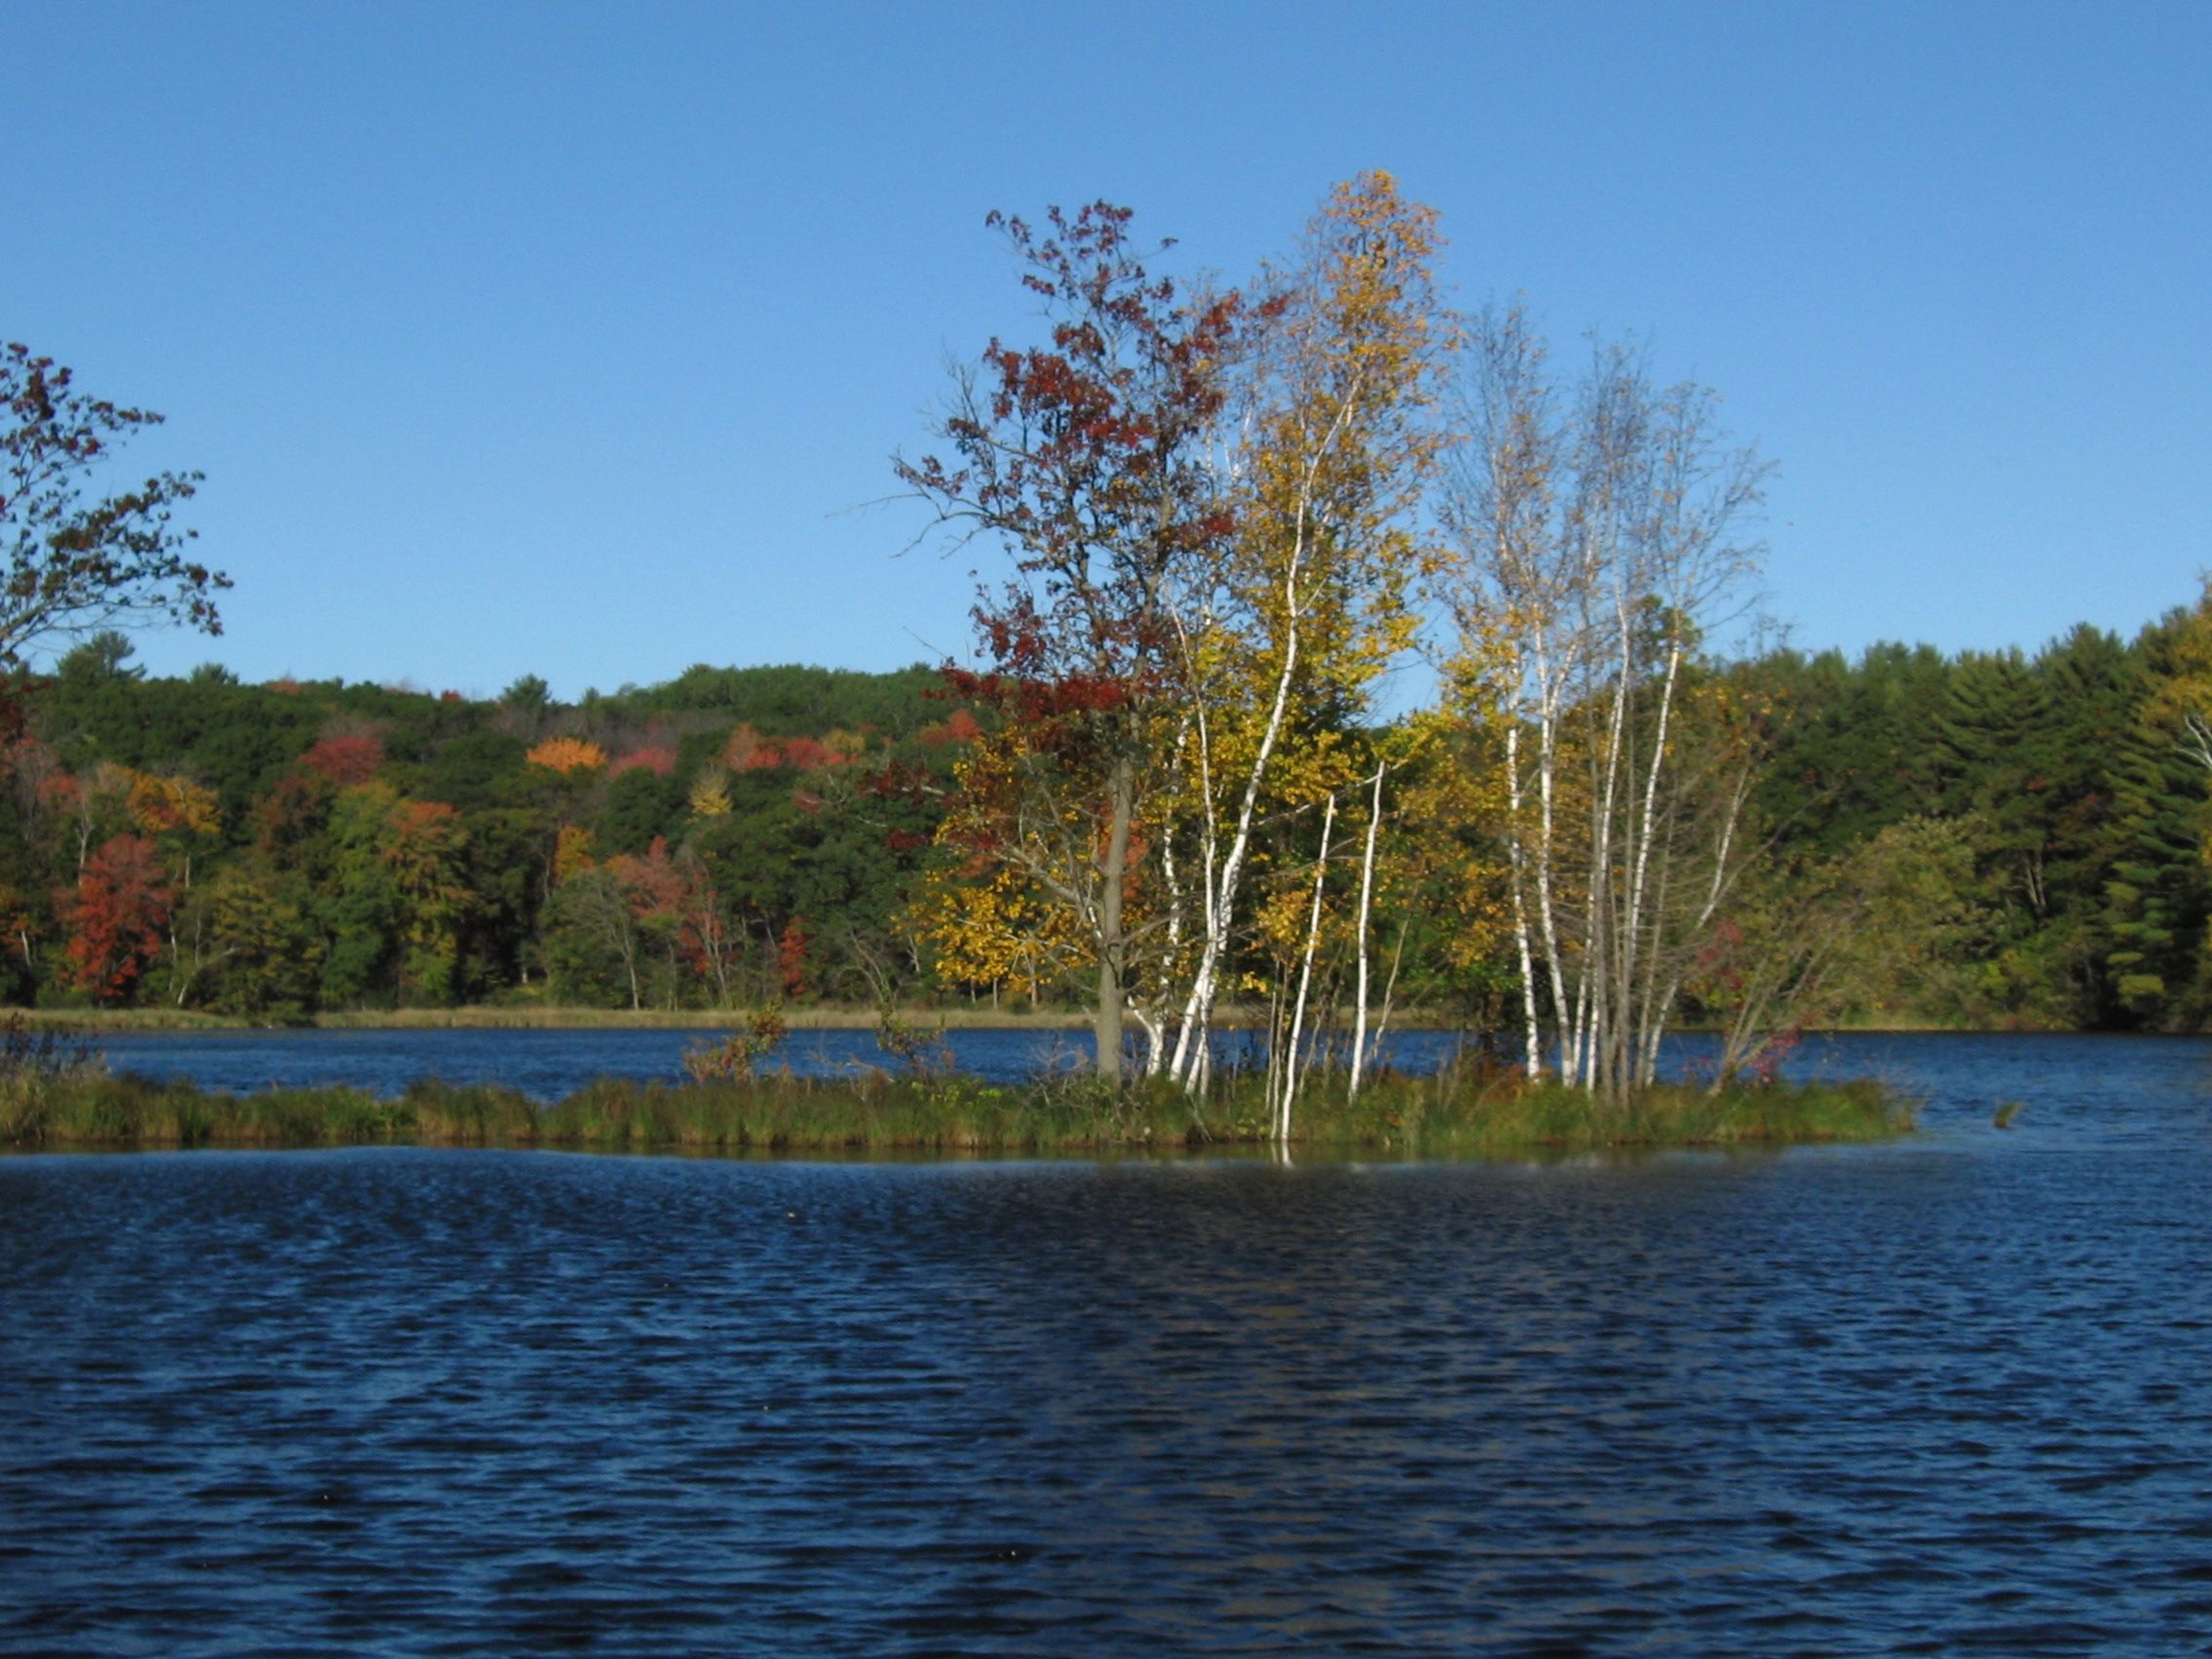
[(1291, 1068), (1516, 857), (1366, 905), (1113, 947)]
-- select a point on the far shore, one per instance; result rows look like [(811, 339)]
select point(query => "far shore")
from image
[(496, 1018), (824, 1018)]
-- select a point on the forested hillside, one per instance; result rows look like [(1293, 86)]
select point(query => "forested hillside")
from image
[(737, 835), (270, 850)]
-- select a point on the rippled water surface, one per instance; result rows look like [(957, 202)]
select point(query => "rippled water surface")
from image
[(1949, 1396), (549, 1064)]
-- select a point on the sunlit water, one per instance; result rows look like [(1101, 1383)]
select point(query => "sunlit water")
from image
[(548, 1063), (1949, 1396)]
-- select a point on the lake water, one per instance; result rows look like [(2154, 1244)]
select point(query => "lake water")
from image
[(1953, 1394), (549, 1064)]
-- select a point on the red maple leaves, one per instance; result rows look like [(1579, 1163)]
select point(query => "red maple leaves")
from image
[(116, 915)]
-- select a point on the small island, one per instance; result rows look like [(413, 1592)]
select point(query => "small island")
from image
[(1450, 1115)]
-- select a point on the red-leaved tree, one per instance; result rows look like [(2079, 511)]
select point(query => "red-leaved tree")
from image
[(1089, 458), (346, 759), (657, 758), (116, 915), (792, 965)]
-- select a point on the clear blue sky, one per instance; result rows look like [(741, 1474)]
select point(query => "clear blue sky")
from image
[(568, 340)]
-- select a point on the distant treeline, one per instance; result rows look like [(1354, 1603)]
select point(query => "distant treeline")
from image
[(736, 836), (2053, 808)]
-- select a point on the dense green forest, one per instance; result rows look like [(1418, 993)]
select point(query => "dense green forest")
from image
[(2053, 810), (741, 835)]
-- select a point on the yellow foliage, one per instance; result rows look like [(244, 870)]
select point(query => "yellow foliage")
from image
[(568, 754), (572, 853), (165, 806), (1283, 635), (1343, 445), (2180, 697), (1315, 603), (990, 928), (995, 912), (710, 794), (1453, 863)]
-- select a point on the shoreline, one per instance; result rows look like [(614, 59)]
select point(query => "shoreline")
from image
[(491, 1017)]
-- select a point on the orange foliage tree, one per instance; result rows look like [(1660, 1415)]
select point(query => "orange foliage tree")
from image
[(792, 964), (567, 755), (747, 751), (675, 902), (709, 944), (808, 755)]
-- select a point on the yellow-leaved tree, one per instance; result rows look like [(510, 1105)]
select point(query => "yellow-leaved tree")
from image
[(1211, 505), (1286, 644)]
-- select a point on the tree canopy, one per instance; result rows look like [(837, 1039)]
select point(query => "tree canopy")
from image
[(77, 560)]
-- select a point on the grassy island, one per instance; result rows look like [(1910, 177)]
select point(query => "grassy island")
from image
[(1445, 1115)]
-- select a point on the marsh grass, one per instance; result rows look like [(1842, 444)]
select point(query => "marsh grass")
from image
[(1452, 1115)]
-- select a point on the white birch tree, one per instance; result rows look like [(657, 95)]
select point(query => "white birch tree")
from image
[(1597, 538), (1284, 647)]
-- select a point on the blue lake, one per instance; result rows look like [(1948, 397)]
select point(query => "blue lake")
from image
[(1951, 1395), (549, 1064)]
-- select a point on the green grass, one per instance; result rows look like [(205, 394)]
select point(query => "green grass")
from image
[(1445, 1117), (92, 1020)]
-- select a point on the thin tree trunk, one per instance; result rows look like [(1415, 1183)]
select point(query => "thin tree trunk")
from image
[(1198, 1008), (1517, 856), (1608, 948), (1366, 900), (1547, 765), (1715, 889), (1112, 947), (1389, 991), (1305, 979)]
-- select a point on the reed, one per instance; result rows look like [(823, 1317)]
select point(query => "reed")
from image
[(1444, 1116)]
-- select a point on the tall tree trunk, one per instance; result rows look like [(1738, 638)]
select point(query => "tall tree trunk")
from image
[(1608, 948), (1645, 931), (1305, 982), (1547, 783), (1221, 900), (1113, 945), (1366, 904), (1517, 858)]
